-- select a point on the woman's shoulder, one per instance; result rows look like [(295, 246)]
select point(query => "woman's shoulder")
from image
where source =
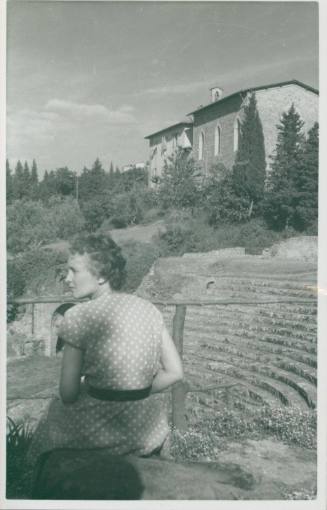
[(142, 305), (78, 311)]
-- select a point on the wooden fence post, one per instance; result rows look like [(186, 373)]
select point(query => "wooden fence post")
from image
[(179, 389)]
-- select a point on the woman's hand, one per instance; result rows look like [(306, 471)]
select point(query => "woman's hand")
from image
[(70, 378), (172, 370)]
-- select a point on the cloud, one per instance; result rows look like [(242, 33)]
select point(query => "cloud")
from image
[(27, 124), (180, 88), (30, 131), (73, 110)]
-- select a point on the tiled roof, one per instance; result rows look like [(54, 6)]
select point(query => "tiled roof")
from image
[(253, 89), (183, 123)]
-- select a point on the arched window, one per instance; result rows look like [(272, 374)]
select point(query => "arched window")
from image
[(237, 131), (201, 145), (217, 140)]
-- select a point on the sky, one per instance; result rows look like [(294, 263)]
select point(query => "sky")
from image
[(92, 79)]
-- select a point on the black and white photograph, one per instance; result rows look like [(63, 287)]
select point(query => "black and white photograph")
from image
[(164, 293)]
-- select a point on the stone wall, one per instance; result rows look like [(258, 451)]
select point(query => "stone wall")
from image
[(30, 335), (223, 114), (271, 104), (164, 144)]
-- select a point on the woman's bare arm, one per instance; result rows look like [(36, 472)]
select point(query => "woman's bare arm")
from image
[(70, 378), (172, 370)]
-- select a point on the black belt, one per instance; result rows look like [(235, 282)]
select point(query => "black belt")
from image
[(118, 395)]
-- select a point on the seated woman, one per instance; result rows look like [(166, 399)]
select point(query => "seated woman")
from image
[(119, 343)]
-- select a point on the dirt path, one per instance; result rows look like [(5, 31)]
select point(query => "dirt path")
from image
[(140, 233)]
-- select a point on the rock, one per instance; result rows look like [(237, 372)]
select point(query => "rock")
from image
[(94, 474), (301, 248), (248, 470)]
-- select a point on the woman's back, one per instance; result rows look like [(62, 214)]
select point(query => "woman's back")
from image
[(120, 335)]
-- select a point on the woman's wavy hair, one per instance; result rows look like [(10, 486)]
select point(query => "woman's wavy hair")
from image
[(106, 257)]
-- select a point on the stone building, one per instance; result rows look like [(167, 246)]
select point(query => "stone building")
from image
[(214, 128), (164, 143)]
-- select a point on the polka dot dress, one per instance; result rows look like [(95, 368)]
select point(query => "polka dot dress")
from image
[(120, 336)]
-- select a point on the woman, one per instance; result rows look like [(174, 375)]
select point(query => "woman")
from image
[(119, 343)]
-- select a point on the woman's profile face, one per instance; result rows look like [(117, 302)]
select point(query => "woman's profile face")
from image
[(80, 280)]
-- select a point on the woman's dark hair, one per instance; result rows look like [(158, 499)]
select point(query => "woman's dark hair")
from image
[(106, 257)]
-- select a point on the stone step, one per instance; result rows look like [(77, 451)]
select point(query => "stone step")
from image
[(245, 354), (283, 392)]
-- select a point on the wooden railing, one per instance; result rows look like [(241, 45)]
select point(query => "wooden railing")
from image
[(179, 390)]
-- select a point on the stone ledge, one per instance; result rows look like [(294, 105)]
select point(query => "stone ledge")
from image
[(251, 470)]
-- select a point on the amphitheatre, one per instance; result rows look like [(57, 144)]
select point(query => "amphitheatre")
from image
[(249, 340)]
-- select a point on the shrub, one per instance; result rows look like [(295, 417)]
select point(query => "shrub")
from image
[(195, 235), (96, 210), (151, 215), (178, 186), (36, 268), (116, 222), (26, 225), (175, 240), (221, 202), (64, 218), (16, 284), (32, 224), (128, 207)]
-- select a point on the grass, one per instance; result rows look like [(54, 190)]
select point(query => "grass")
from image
[(207, 434), (18, 439), (185, 233), (206, 437)]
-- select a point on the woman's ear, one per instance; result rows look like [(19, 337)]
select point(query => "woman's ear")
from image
[(101, 280)]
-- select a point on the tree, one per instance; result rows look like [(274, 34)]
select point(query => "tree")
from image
[(282, 197), (18, 181), (26, 181), (48, 186), (306, 183), (179, 187), (65, 181), (221, 202), (96, 209), (9, 183), (31, 223), (249, 171), (34, 181), (92, 181)]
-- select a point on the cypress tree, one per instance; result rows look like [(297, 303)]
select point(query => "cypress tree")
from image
[(26, 181), (249, 171), (18, 181), (282, 195), (34, 181), (306, 183)]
